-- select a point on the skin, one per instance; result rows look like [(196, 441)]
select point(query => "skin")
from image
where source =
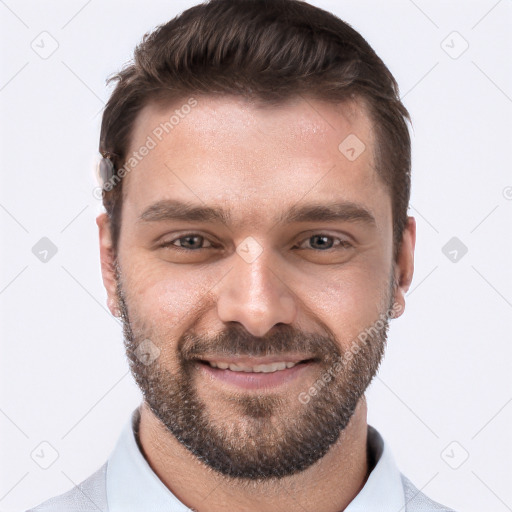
[(256, 163)]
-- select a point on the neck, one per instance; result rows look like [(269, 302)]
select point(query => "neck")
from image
[(327, 486)]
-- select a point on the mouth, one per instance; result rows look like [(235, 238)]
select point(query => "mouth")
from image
[(255, 373), (255, 368)]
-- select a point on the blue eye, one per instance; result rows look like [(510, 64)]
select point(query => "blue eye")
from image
[(189, 242), (325, 242), (194, 242)]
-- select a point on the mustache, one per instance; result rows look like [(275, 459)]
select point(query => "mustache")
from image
[(237, 341)]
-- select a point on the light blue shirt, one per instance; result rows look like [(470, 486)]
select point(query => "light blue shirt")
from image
[(132, 486)]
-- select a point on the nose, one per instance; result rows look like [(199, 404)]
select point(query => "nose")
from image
[(255, 295)]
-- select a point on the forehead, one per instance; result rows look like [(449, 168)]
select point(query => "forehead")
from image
[(252, 158)]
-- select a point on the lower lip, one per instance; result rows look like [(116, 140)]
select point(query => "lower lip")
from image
[(253, 380)]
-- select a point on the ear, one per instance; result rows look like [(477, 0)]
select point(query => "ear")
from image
[(404, 266), (107, 258)]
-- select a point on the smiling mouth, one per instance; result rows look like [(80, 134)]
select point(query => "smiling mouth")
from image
[(244, 367), (255, 374)]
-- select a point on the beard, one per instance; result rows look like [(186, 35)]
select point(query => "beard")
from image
[(260, 436)]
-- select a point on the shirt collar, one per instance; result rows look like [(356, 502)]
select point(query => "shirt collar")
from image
[(383, 491), (133, 486)]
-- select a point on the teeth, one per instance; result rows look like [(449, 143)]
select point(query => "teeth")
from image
[(260, 368)]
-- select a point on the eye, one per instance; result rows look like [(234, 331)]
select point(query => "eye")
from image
[(323, 242), (188, 242)]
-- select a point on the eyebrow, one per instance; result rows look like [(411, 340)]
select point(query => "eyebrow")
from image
[(341, 211), (176, 210), (173, 209)]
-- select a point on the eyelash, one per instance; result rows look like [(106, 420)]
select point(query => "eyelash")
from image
[(343, 243)]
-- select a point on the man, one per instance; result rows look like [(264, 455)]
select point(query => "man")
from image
[(256, 179)]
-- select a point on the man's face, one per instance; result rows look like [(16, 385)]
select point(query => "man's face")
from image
[(283, 287)]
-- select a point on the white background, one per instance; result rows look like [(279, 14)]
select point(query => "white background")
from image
[(446, 375)]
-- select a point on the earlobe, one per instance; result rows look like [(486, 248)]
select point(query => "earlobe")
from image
[(108, 262), (404, 266)]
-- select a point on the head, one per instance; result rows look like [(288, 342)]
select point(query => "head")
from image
[(257, 212)]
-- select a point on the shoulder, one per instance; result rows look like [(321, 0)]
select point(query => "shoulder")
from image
[(416, 501), (88, 496)]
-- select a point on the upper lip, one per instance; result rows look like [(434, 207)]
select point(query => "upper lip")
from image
[(254, 361)]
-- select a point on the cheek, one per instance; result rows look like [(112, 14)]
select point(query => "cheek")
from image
[(164, 298), (349, 300)]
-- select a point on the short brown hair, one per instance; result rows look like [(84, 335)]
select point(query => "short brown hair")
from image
[(271, 50)]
